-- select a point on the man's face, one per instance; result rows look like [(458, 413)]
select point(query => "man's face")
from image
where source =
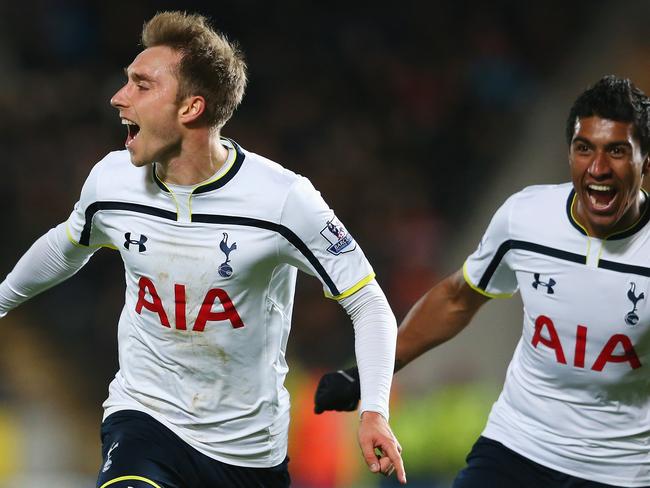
[(148, 107), (607, 169)]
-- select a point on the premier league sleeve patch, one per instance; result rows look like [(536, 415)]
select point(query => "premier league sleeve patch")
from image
[(337, 236)]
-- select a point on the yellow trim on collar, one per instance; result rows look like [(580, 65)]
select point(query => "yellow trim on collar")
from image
[(131, 478), (478, 290), (173, 195), (573, 216), (230, 160), (353, 289)]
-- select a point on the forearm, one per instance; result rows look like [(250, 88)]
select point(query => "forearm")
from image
[(50, 260), (375, 334), (439, 315)]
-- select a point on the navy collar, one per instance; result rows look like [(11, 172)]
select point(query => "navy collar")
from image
[(633, 229), (213, 184)]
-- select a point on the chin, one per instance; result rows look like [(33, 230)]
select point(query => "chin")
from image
[(605, 224), (138, 162)]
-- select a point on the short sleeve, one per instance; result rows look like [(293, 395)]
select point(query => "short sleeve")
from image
[(318, 243), (487, 269), (79, 226)]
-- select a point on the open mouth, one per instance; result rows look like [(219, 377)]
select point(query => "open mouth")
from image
[(601, 196), (132, 131)]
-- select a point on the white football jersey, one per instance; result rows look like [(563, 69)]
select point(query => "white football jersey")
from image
[(577, 392), (210, 277)]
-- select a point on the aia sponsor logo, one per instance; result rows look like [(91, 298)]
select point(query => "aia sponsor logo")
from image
[(149, 299), (617, 349)]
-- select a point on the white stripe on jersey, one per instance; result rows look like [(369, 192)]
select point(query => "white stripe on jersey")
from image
[(576, 396)]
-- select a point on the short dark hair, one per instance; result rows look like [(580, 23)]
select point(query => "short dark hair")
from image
[(616, 99), (210, 66)]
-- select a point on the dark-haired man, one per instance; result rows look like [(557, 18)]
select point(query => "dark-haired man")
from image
[(211, 236), (575, 406)]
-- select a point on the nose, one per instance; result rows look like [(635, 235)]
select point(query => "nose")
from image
[(119, 99), (600, 167)]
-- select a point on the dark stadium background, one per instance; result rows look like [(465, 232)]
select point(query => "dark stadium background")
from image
[(414, 119)]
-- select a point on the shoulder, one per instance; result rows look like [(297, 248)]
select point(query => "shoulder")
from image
[(268, 170), (114, 175), (539, 198), (278, 182), (115, 163)]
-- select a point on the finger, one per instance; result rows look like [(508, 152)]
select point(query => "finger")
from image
[(390, 451), (372, 460), (386, 466)]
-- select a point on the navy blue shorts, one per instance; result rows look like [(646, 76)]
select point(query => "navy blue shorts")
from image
[(140, 452), (492, 465)]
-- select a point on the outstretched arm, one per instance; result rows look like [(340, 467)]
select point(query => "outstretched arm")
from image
[(52, 259), (436, 317)]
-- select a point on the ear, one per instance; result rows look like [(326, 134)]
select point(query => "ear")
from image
[(191, 109), (646, 165)]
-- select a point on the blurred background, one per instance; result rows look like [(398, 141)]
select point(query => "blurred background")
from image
[(415, 120)]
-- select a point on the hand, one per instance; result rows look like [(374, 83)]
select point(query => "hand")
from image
[(338, 391), (380, 447)]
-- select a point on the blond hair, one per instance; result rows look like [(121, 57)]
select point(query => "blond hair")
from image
[(210, 66)]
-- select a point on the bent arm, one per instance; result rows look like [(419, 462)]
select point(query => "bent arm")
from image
[(51, 260), (436, 317), (375, 330)]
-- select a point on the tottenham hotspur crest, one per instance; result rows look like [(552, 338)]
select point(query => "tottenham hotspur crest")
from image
[(338, 237), (631, 318), (225, 269)]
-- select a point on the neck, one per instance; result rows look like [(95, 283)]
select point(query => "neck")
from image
[(200, 157)]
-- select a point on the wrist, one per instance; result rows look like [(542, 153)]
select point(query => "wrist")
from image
[(371, 415)]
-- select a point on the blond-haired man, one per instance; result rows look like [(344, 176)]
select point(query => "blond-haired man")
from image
[(211, 236)]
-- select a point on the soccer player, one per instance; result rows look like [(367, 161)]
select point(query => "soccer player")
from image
[(575, 407), (211, 236)]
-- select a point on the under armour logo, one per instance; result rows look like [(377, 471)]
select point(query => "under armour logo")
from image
[(109, 461), (631, 318), (549, 285), (140, 243)]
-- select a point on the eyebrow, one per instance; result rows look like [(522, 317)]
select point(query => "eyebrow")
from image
[(608, 145), (136, 76)]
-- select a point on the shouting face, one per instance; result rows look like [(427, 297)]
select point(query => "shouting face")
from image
[(148, 106), (607, 169)]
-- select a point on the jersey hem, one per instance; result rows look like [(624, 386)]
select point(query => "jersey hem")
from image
[(274, 460)]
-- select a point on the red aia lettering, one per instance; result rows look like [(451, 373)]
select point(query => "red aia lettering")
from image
[(205, 314), (553, 341), (581, 346), (179, 298), (146, 286), (606, 355)]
